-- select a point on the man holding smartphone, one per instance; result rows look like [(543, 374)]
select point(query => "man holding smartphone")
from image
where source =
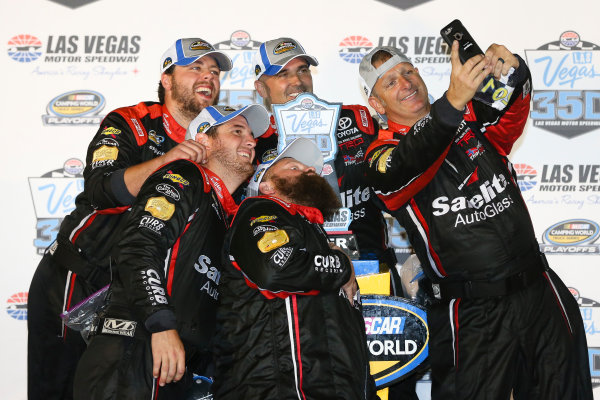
[(502, 321)]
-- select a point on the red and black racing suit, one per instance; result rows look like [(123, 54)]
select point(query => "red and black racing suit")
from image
[(355, 131), (505, 320), (285, 329), (77, 263), (166, 277)]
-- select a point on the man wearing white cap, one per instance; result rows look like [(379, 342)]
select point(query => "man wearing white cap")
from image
[(130, 144), (502, 321), (282, 69), (289, 323), (159, 319)]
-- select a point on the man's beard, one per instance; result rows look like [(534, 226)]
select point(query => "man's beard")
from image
[(189, 105), (228, 159), (309, 189)]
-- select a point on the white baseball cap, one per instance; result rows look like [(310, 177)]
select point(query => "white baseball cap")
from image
[(256, 115), (369, 74), (300, 149), (186, 51), (273, 55)]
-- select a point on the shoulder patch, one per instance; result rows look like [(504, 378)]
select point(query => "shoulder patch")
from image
[(272, 240), (160, 208)]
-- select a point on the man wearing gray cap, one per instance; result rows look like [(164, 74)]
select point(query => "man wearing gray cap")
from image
[(282, 69), (502, 321), (130, 144), (289, 323), (158, 322)]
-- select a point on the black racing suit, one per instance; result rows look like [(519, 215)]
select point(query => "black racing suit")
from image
[(355, 131), (285, 329), (505, 320), (167, 273), (77, 263)]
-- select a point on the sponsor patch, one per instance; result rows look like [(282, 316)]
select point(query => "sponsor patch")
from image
[(168, 61), (384, 161), (200, 45), (122, 327), (375, 156), (262, 218), (108, 142), (152, 224), (282, 255), (283, 47), (263, 228), (273, 240), (363, 118), (105, 153), (160, 208), (111, 131), (203, 127), (158, 139), (168, 190), (269, 155), (177, 179)]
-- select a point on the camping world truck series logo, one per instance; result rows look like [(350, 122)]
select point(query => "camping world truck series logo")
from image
[(237, 85), (78, 107), (53, 196), (575, 236), (566, 81)]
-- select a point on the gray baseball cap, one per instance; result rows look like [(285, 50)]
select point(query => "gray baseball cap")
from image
[(301, 149), (369, 74), (186, 51), (256, 115), (273, 55)]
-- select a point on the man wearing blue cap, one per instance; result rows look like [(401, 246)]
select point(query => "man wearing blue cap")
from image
[(130, 144), (282, 69), (289, 322), (159, 319)]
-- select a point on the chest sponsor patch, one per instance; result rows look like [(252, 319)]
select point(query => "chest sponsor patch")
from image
[(111, 131), (262, 218), (105, 153), (272, 240), (177, 179), (384, 161), (160, 208)]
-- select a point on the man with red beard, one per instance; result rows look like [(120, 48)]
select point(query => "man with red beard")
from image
[(159, 319), (131, 143), (289, 322)]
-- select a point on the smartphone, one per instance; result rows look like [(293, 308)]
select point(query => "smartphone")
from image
[(467, 47)]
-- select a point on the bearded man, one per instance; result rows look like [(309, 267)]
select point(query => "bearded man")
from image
[(289, 322)]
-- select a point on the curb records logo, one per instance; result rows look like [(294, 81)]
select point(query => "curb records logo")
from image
[(83, 56), (397, 337), (590, 313), (354, 48), (403, 4), (16, 306), (526, 176), (24, 48), (566, 80), (237, 85), (79, 107), (53, 196), (571, 236)]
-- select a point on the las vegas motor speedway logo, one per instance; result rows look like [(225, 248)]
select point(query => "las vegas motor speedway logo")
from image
[(53, 196), (16, 306), (78, 107), (566, 81), (237, 85), (82, 56), (575, 236)]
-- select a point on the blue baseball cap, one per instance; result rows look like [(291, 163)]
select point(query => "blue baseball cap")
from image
[(256, 115), (273, 55), (186, 51)]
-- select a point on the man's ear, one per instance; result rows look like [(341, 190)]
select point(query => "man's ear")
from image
[(203, 139), (166, 80), (260, 88), (376, 104), (266, 188)]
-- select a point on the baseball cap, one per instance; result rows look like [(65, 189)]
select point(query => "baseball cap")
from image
[(273, 55), (186, 51), (300, 149), (369, 74), (256, 115)]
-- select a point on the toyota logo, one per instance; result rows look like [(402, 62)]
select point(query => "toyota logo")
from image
[(344, 123)]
